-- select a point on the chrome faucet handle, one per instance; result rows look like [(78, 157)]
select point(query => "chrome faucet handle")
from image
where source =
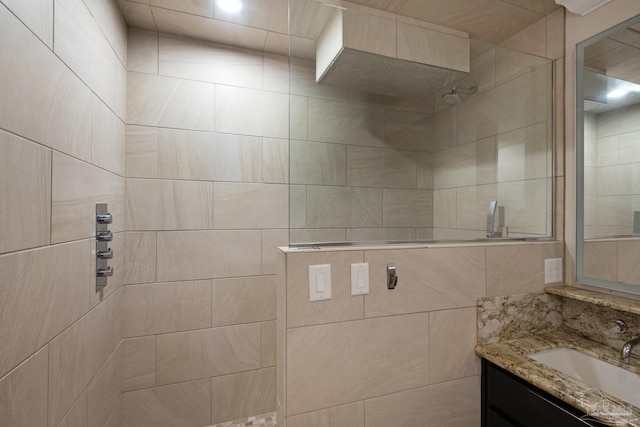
[(491, 215), (622, 326)]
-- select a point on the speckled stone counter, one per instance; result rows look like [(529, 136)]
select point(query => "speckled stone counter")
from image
[(510, 328)]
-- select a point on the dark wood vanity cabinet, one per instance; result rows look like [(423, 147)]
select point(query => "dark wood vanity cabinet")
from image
[(509, 401)]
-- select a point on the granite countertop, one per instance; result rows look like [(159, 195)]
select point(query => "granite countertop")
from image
[(512, 356)]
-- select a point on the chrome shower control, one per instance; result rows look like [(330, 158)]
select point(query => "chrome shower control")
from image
[(104, 236), (104, 218), (104, 272), (105, 254), (392, 276)]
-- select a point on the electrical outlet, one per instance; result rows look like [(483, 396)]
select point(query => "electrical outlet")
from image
[(552, 270)]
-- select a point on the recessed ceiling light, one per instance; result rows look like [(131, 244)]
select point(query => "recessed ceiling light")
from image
[(232, 6)]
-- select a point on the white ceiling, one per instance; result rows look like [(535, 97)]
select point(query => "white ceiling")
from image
[(263, 24)]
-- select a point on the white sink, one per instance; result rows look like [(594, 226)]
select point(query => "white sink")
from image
[(618, 382)]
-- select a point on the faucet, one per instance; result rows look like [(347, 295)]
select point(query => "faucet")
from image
[(491, 233), (625, 353)]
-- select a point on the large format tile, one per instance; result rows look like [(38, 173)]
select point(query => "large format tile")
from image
[(243, 395), (522, 154), (273, 18), (138, 363), (518, 269), (77, 354), (337, 360), (527, 206), (105, 390), (168, 205), (334, 207), (138, 15), (275, 160), (141, 152), (77, 415), (184, 255), (407, 208), (37, 16), (108, 139), (186, 404), (43, 104), (112, 24), (408, 130), (142, 51), (428, 279), (271, 241), (268, 344), (169, 102), (269, 206), (318, 163), (251, 112), (375, 167), (24, 393), (451, 404), (209, 156), (140, 258), (25, 168), (76, 188), (81, 44), (455, 167), (43, 292), (629, 269), (340, 122), (341, 307), (351, 415), (206, 353), (243, 300), (209, 62), (443, 325), (166, 307)]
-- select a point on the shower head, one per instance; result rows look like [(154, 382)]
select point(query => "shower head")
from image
[(452, 98)]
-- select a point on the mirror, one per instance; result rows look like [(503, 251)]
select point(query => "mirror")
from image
[(608, 158)]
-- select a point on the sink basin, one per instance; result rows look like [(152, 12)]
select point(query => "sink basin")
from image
[(618, 382)]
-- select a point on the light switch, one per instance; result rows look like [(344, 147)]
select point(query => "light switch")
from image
[(319, 282), (360, 279)]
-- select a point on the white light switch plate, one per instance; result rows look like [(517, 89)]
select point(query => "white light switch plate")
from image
[(360, 279), (319, 282), (552, 270)]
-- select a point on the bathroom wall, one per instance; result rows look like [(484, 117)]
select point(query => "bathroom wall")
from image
[(62, 133), (206, 207), (398, 357)]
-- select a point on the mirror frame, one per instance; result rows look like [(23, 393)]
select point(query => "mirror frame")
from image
[(579, 151)]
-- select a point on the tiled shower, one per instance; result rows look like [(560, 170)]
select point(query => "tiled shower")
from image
[(189, 144)]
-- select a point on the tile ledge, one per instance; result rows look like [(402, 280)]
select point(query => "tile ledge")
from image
[(615, 302)]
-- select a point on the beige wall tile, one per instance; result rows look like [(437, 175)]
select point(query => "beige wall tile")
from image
[(166, 307), (472, 204), (446, 129), (271, 240), (268, 344), (455, 167), (407, 208), (297, 206), (186, 404), (318, 163), (37, 16), (209, 156), (228, 254), (374, 167), (206, 353), (518, 269), (351, 415), (44, 291), (243, 300), (317, 235), (77, 354), (48, 115), (275, 160), (112, 24), (76, 188), (243, 395), (425, 171), (369, 33), (522, 154), (555, 34), (169, 102), (531, 40), (444, 208), (451, 404), (108, 138), (275, 73), (628, 146), (303, 80), (25, 168), (209, 62), (138, 15), (251, 112), (428, 279), (298, 117), (339, 122), (443, 325), (141, 152), (138, 363), (81, 44), (384, 234), (105, 390), (334, 207), (512, 63), (629, 270), (168, 205), (142, 51), (601, 260), (24, 393), (434, 48), (527, 205), (342, 306), (269, 206), (334, 357), (140, 257), (77, 415)]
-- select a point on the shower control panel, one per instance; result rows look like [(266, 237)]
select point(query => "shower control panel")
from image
[(103, 252)]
